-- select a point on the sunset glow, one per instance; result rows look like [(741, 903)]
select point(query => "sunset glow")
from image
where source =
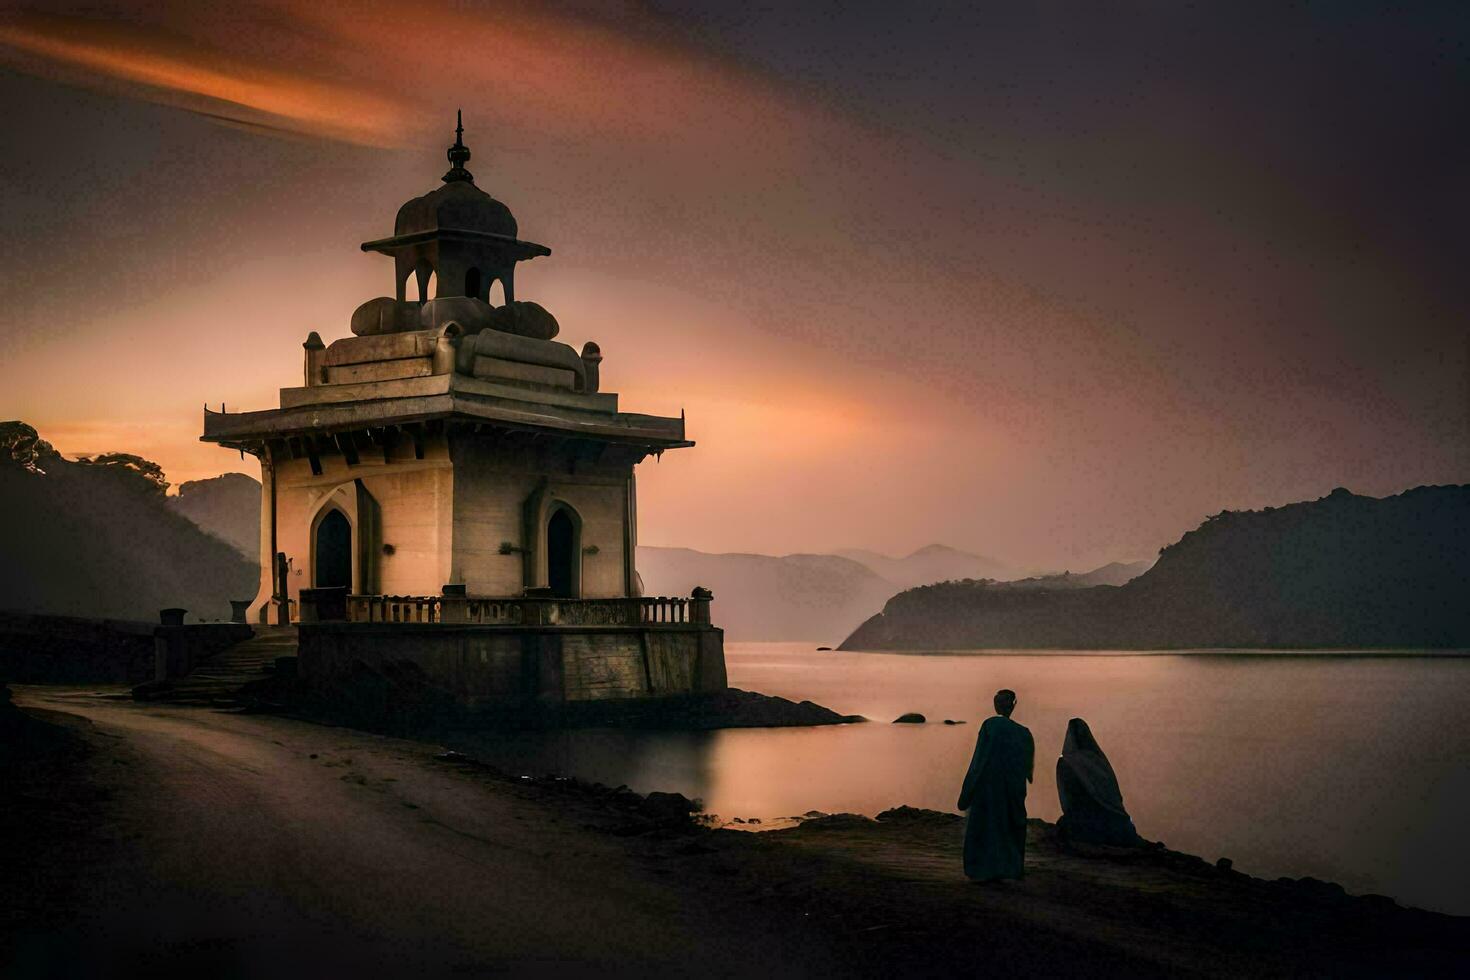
[(1062, 339)]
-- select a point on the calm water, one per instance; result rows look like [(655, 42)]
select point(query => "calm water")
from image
[(1351, 769)]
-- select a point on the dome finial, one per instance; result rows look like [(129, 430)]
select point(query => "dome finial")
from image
[(459, 154)]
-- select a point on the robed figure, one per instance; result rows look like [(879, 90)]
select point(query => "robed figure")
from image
[(994, 794), (1092, 803)]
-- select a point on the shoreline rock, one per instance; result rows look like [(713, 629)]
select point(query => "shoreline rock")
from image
[(378, 705)]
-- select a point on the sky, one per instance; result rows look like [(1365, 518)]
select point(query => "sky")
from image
[(1049, 282)]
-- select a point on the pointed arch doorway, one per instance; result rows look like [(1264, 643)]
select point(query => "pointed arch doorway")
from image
[(333, 551), (563, 554)]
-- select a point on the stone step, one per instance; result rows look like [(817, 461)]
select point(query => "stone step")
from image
[(217, 681)]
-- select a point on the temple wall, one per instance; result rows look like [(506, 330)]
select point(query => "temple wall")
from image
[(404, 504), (522, 665), (490, 505), (419, 524), (487, 511), (415, 519)]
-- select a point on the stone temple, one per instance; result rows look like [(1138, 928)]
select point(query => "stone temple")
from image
[(451, 481)]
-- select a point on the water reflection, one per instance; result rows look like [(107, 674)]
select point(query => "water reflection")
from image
[(645, 761), (1348, 769)]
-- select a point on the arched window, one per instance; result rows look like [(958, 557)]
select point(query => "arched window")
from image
[(497, 293), (472, 283), (431, 288)]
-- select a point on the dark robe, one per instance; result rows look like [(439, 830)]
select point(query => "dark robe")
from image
[(1092, 803), (995, 796)]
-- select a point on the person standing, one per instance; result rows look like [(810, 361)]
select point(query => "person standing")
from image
[(994, 794)]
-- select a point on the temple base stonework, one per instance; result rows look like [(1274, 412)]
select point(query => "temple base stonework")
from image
[(519, 665)]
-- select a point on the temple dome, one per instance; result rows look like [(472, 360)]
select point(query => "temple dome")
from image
[(457, 206)]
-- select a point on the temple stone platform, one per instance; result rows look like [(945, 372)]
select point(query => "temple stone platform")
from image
[(519, 651)]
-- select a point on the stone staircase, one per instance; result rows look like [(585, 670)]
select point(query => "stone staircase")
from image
[(217, 681)]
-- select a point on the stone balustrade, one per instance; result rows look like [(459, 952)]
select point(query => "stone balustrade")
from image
[(632, 611)]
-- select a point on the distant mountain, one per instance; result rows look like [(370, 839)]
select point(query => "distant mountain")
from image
[(760, 597), (1113, 573), (97, 538), (934, 563), (820, 598), (1344, 570), (227, 506), (808, 597)]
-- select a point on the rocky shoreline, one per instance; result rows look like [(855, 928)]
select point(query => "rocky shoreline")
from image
[(630, 813), (830, 894), (1150, 910), (375, 702)]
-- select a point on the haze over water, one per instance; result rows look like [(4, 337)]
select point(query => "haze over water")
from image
[(1346, 768)]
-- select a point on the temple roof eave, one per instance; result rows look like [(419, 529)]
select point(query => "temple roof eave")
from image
[(247, 430), (520, 248)]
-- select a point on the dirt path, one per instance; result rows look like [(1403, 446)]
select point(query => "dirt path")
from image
[(252, 846)]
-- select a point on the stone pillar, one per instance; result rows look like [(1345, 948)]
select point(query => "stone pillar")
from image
[(272, 609), (591, 365), (454, 605), (699, 601), (538, 607), (446, 348), (316, 358), (533, 538), (632, 586), (281, 599)]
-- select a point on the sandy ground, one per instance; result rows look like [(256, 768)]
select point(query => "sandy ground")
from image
[(166, 838)]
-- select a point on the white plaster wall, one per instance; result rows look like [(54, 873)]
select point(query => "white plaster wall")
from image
[(602, 506), (414, 511), (490, 495), (487, 511), (445, 518), (415, 508)]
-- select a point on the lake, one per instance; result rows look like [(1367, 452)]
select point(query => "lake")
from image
[(1349, 768)]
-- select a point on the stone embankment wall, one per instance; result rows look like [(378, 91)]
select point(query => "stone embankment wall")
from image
[(75, 650), (520, 665)]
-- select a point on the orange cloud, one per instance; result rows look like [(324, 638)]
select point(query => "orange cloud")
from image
[(191, 75), (369, 76)]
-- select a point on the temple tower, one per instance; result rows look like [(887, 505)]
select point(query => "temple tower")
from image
[(447, 446)]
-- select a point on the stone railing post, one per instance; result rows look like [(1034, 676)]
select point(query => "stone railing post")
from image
[(161, 664), (316, 358), (327, 605), (167, 645), (699, 601), (537, 606), (306, 607), (454, 605)]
